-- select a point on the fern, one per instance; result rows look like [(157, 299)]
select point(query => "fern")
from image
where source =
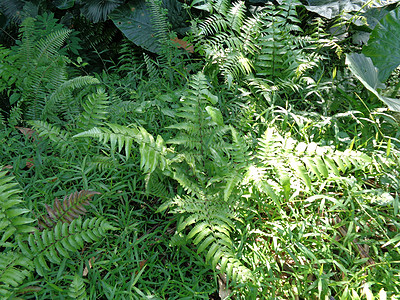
[(54, 244), (77, 288), (40, 74), (57, 135), (278, 57), (62, 95), (14, 267), (288, 167), (151, 67), (12, 217), (94, 110), (159, 21), (227, 38), (68, 210), (201, 161)]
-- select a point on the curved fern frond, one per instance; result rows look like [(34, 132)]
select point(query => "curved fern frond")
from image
[(77, 288), (64, 91), (151, 67), (14, 268), (71, 208), (49, 46), (54, 244), (57, 135), (309, 162), (152, 151), (213, 24), (95, 110), (211, 233), (12, 217), (236, 15)]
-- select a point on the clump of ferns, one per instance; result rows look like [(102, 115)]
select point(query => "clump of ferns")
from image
[(201, 159), (26, 250), (66, 211), (227, 38), (287, 168)]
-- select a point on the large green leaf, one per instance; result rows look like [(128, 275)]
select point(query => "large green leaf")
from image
[(333, 8), (384, 44), (134, 21), (363, 68), (64, 4), (98, 10)]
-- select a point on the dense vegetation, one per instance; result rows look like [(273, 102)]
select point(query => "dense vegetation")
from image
[(199, 150)]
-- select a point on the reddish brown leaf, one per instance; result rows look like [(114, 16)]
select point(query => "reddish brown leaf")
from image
[(183, 44), (29, 163), (28, 132)]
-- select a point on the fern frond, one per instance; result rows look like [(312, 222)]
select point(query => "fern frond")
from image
[(12, 217), (159, 21), (211, 233), (212, 25), (95, 110), (71, 208), (77, 288), (309, 162), (64, 91), (54, 244), (236, 15), (156, 186), (49, 46), (26, 51), (103, 163), (221, 6), (14, 268), (152, 151), (57, 135), (151, 67), (249, 34), (122, 135)]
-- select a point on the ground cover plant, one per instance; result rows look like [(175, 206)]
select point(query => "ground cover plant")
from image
[(252, 155)]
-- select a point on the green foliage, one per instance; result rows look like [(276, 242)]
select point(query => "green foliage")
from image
[(13, 217), (96, 10), (146, 23), (14, 266), (227, 38), (59, 242), (384, 45), (40, 73), (26, 249), (307, 162), (77, 288), (200, 164), (215, 188), (363, 68), (68, 210), (279, 55)]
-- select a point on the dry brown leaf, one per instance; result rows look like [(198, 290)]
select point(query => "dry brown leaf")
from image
[(90, 263), (28, 132), (223, 291), (183, 44), (29, 163)]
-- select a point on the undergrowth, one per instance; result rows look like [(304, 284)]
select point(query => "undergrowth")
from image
[(254, 168)]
